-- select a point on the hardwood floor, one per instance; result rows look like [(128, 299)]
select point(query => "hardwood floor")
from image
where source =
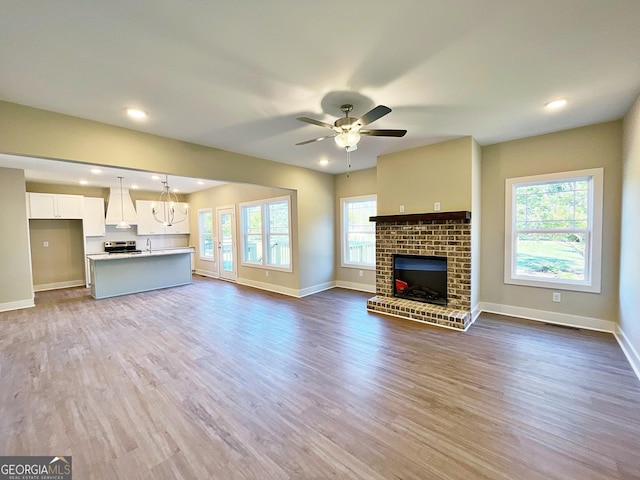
[(219, 381)]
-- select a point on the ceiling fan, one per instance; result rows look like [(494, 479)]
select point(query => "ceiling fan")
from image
[(348, 129)]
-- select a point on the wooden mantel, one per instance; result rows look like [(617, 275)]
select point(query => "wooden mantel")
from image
[(416, 217)]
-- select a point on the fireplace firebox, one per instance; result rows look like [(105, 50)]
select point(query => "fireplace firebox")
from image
[(420, 278)]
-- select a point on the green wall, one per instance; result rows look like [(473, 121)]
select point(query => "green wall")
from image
[(420, 177), (234, 195), (16, 290), (62, 262), (629, 309), (39, 133), (360, 182), (581, 148)]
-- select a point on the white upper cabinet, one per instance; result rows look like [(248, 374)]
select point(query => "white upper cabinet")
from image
[(181, 220), (93, 222), (148, 225), (56, 206)]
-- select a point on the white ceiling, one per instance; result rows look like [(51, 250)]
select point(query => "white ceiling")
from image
[(236, 74), (68, 173)]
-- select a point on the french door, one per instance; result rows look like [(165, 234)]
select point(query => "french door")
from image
[(227, 243)]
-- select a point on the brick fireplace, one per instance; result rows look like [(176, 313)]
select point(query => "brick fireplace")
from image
[(445, 234)]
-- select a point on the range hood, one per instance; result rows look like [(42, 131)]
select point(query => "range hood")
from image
[(114, 211)]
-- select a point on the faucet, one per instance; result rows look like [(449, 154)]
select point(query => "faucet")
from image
[(148, 245)]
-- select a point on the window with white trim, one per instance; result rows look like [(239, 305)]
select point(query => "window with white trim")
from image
[(266, 233), (358, 233), (553, 230), (205, 233)]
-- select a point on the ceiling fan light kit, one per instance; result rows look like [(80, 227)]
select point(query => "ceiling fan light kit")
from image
[(347, 139)]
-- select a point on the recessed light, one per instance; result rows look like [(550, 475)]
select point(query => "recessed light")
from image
[(136, 113), (84, 182), (175, 190), (324, 162), (155, 177), (135, 187), (555, 104), (200, 182), (96, 171)]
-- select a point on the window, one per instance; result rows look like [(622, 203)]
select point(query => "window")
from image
[(358, 233), (278, 234), (252, 234), (205, 232), (266, 233), (553, 230)]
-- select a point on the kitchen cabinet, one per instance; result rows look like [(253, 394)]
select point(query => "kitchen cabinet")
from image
[(57, 206), (183, 226), (148, 225), (93, 223)]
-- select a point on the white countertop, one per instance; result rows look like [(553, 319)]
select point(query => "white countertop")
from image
[(144, 253)]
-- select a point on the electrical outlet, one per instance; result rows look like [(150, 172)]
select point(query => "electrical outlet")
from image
[(436, 206), (401, 208), (557, 297), (266, 273), (45, 244), (360, 272)]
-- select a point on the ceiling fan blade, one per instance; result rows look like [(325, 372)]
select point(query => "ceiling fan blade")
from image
[(315, 122), (314, 140), (373, 115), (384, 133)]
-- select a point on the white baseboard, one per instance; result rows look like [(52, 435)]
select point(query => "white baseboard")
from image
[(475, 313), (206, 273), (576, 321), (316, 289), (362, 287), (59, 285), (291, 292), (629, 351), (17, 305)]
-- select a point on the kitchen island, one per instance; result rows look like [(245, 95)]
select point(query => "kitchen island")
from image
[(125, 273)]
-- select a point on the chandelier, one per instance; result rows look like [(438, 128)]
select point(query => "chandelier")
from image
[(165, 213)]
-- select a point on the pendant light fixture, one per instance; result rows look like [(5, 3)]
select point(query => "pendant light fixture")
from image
[(122, 223), (168, 202)]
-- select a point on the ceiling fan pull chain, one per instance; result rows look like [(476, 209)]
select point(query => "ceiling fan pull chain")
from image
[(348, 161)]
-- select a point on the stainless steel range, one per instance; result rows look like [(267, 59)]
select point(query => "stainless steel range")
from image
[(126, 246)]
